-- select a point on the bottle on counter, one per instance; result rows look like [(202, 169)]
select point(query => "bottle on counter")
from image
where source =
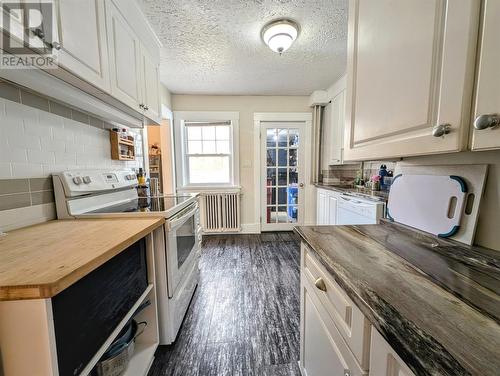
[(382, 173)]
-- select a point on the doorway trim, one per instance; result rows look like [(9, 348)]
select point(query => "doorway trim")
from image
[(258, 118)]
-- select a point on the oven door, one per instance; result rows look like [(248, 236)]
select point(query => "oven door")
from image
[(183, 245)]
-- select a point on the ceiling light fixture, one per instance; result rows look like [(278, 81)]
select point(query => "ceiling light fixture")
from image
[(280, 34)]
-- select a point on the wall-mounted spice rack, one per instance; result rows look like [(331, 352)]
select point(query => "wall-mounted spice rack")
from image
[(122, 146)]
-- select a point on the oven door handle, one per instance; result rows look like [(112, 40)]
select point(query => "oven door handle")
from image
[(181, 217)]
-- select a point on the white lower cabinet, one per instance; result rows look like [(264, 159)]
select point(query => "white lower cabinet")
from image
[(324, 353), (336, 339), (326, 211), (383, 359)]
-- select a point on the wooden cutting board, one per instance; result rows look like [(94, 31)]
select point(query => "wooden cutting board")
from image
[(432, 203)]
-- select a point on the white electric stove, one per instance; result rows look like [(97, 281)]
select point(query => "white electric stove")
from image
[(113, 193)]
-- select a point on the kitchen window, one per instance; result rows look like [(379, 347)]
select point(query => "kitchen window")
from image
[(208, 153)]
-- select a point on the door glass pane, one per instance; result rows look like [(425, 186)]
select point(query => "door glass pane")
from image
[(271, 177), (293, 138), (282, 196), (271, 214), (282, 137), (293, 157), (271, 138), (282, 172), (271, 196), (293, 195), (282, 214), (292, 214), (293, 176), (271, 157), (282, 157)]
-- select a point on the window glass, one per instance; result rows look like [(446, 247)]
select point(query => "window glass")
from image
[(209, 170), (208, 158)]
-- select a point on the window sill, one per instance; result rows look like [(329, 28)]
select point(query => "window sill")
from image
[(210, 188)]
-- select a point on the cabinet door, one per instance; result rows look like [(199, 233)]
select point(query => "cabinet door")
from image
[(82, 36), (488, 80), (323, 351), (338, 126), (332, 209), (410, 69), (124, 51), (383, 359), (321, 207), (150, 85)]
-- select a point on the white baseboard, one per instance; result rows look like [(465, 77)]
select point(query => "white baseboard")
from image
[(250, 228)]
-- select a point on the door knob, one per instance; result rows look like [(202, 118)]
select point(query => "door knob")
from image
[(486, 121), (441, 130), (320, 284), (301, 185)]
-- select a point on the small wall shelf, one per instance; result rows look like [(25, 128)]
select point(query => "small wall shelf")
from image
[(122, 149)]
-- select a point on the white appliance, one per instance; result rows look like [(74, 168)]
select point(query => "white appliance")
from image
[(354, 209), (105, 194)]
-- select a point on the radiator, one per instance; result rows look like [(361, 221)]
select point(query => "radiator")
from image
[(220, 212)]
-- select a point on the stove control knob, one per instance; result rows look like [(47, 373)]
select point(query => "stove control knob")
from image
[(77, 180), (87, 179)]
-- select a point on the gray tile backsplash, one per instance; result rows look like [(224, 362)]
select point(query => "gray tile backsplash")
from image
[(20, 193), (18, 200)]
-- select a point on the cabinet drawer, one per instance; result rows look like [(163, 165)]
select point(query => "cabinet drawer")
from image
[(351, 323)]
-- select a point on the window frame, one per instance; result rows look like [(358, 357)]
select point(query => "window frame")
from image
[(181, 118)]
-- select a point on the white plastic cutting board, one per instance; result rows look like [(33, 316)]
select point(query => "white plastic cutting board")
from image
[(424, 201)]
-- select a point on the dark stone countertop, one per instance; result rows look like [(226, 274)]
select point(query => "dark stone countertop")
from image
[(379, 195), (435, 301)]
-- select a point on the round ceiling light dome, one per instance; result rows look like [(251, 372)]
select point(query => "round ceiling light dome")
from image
[(280, 34)]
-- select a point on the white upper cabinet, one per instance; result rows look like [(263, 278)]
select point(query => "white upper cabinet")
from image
[(333, 126), (150, 85), (488, 82), (82, 38), (124, 53), (409, 77)]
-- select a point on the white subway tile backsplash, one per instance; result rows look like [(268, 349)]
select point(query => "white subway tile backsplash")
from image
[(50, 144), (41, 156), (5, 171), (23, 170), (18, 138), (35, 143), (66, 158), (13, 154)]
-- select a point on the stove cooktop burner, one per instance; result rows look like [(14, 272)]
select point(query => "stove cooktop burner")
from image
[(149, 204)]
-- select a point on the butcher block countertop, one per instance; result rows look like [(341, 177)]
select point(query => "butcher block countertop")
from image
[(40, 261)]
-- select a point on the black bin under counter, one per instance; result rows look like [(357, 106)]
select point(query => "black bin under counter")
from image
[(86, 313)]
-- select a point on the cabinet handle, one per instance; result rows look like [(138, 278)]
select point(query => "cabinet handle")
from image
[(320, 284), (56, 45), (441, 130), (141, 106), (347, 372), (146, 108), (38, 33), (486, 121)]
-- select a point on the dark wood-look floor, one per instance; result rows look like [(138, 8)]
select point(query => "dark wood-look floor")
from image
[(244, 317)]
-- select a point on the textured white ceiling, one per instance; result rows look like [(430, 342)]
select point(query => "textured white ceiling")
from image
[(214, 46)]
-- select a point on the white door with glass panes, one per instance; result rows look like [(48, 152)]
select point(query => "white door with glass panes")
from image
[(282, 171)]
